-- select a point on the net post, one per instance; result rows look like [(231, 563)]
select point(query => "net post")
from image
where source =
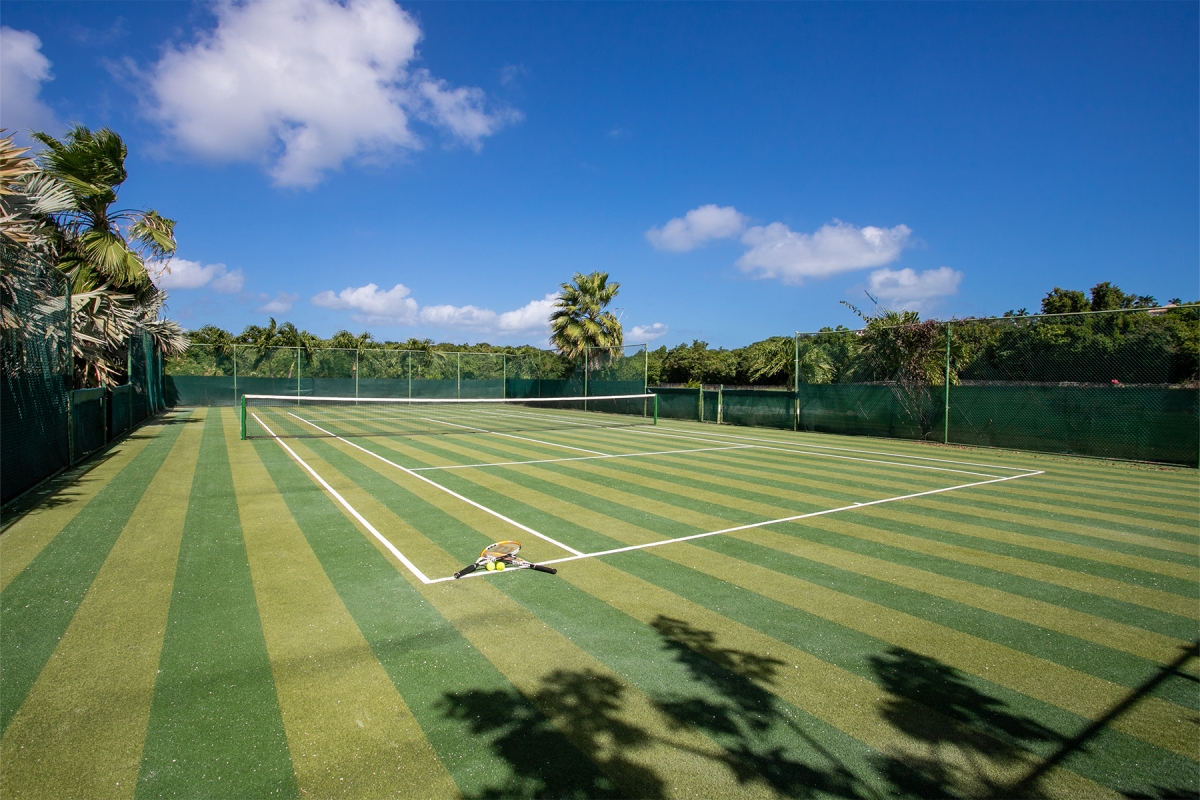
[(243, 416), (656, 408), (946, 412)]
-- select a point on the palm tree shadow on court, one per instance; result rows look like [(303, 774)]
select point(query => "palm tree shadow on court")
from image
[(967, 742), (584, 711)]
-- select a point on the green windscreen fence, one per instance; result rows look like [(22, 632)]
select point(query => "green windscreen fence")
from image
[(208, 375), (45, 424), (1122, 384), (35, 372)]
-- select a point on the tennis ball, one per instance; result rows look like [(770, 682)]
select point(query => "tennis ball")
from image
[(500, 565), (491, 565)]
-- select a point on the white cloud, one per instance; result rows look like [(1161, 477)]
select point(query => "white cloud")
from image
[(23, 70), (179, 273), (533, 317), (372, 306), (777, 252), (307, 85), (646, 333), (282, 303), (906, 289), (697, 227)]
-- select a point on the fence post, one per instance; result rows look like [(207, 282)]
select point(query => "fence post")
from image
[(720, 401), (356, 352), (408, 353), (946, 412), (646, 369), (459, 389), (796, 367), (503, 376), (235, 394), (297, 376)]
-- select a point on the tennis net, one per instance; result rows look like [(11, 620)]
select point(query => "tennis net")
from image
[(292, 416)]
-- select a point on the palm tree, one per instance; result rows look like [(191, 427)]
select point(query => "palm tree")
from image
[(97, 244), (579, 321), (50, 210)]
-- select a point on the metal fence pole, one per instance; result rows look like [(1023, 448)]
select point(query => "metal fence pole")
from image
[(459, 390), (796, 368), (235, 392), (503, 376), (356, 352), (297, 376), (946, 413)]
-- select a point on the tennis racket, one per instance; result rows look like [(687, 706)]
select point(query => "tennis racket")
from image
[(502, 553)]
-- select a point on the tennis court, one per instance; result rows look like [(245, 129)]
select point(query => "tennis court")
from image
[(737, 612)]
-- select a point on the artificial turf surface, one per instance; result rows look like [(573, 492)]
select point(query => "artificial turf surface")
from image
[(193, 615)]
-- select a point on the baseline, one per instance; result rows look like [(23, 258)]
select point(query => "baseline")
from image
[(786, 519)]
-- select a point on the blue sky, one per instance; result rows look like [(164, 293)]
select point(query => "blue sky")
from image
[(437, 169)]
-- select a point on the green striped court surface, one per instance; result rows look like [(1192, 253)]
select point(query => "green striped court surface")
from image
[(191, 615)]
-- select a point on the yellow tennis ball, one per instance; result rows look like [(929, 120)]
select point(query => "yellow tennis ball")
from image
[(500, 565), (491, 565)]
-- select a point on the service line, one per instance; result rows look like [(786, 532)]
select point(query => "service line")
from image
[(585, 458)]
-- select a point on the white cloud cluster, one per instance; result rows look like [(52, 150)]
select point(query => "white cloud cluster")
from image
[(307, 85), (282, 303), (907, 289), (777, 252), (646, 333), (23, 70), (179, 273), (696, 227), (371, 305)]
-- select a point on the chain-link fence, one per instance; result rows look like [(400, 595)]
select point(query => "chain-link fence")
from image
[(45, 424), (219, 375), (1120, 384)]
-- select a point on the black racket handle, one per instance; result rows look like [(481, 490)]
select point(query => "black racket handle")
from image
[(466, 570), (540, 568)]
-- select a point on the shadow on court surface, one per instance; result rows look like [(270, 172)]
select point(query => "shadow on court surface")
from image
[(952, 738)]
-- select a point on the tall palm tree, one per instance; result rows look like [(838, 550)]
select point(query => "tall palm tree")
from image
[(579, 320), (57, 209), (98, 244)]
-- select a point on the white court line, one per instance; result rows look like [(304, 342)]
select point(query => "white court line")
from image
[(509, 435), (824, 455), (391, 547), (585, 458), (855, 450), (450, 492), (787, 519)]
